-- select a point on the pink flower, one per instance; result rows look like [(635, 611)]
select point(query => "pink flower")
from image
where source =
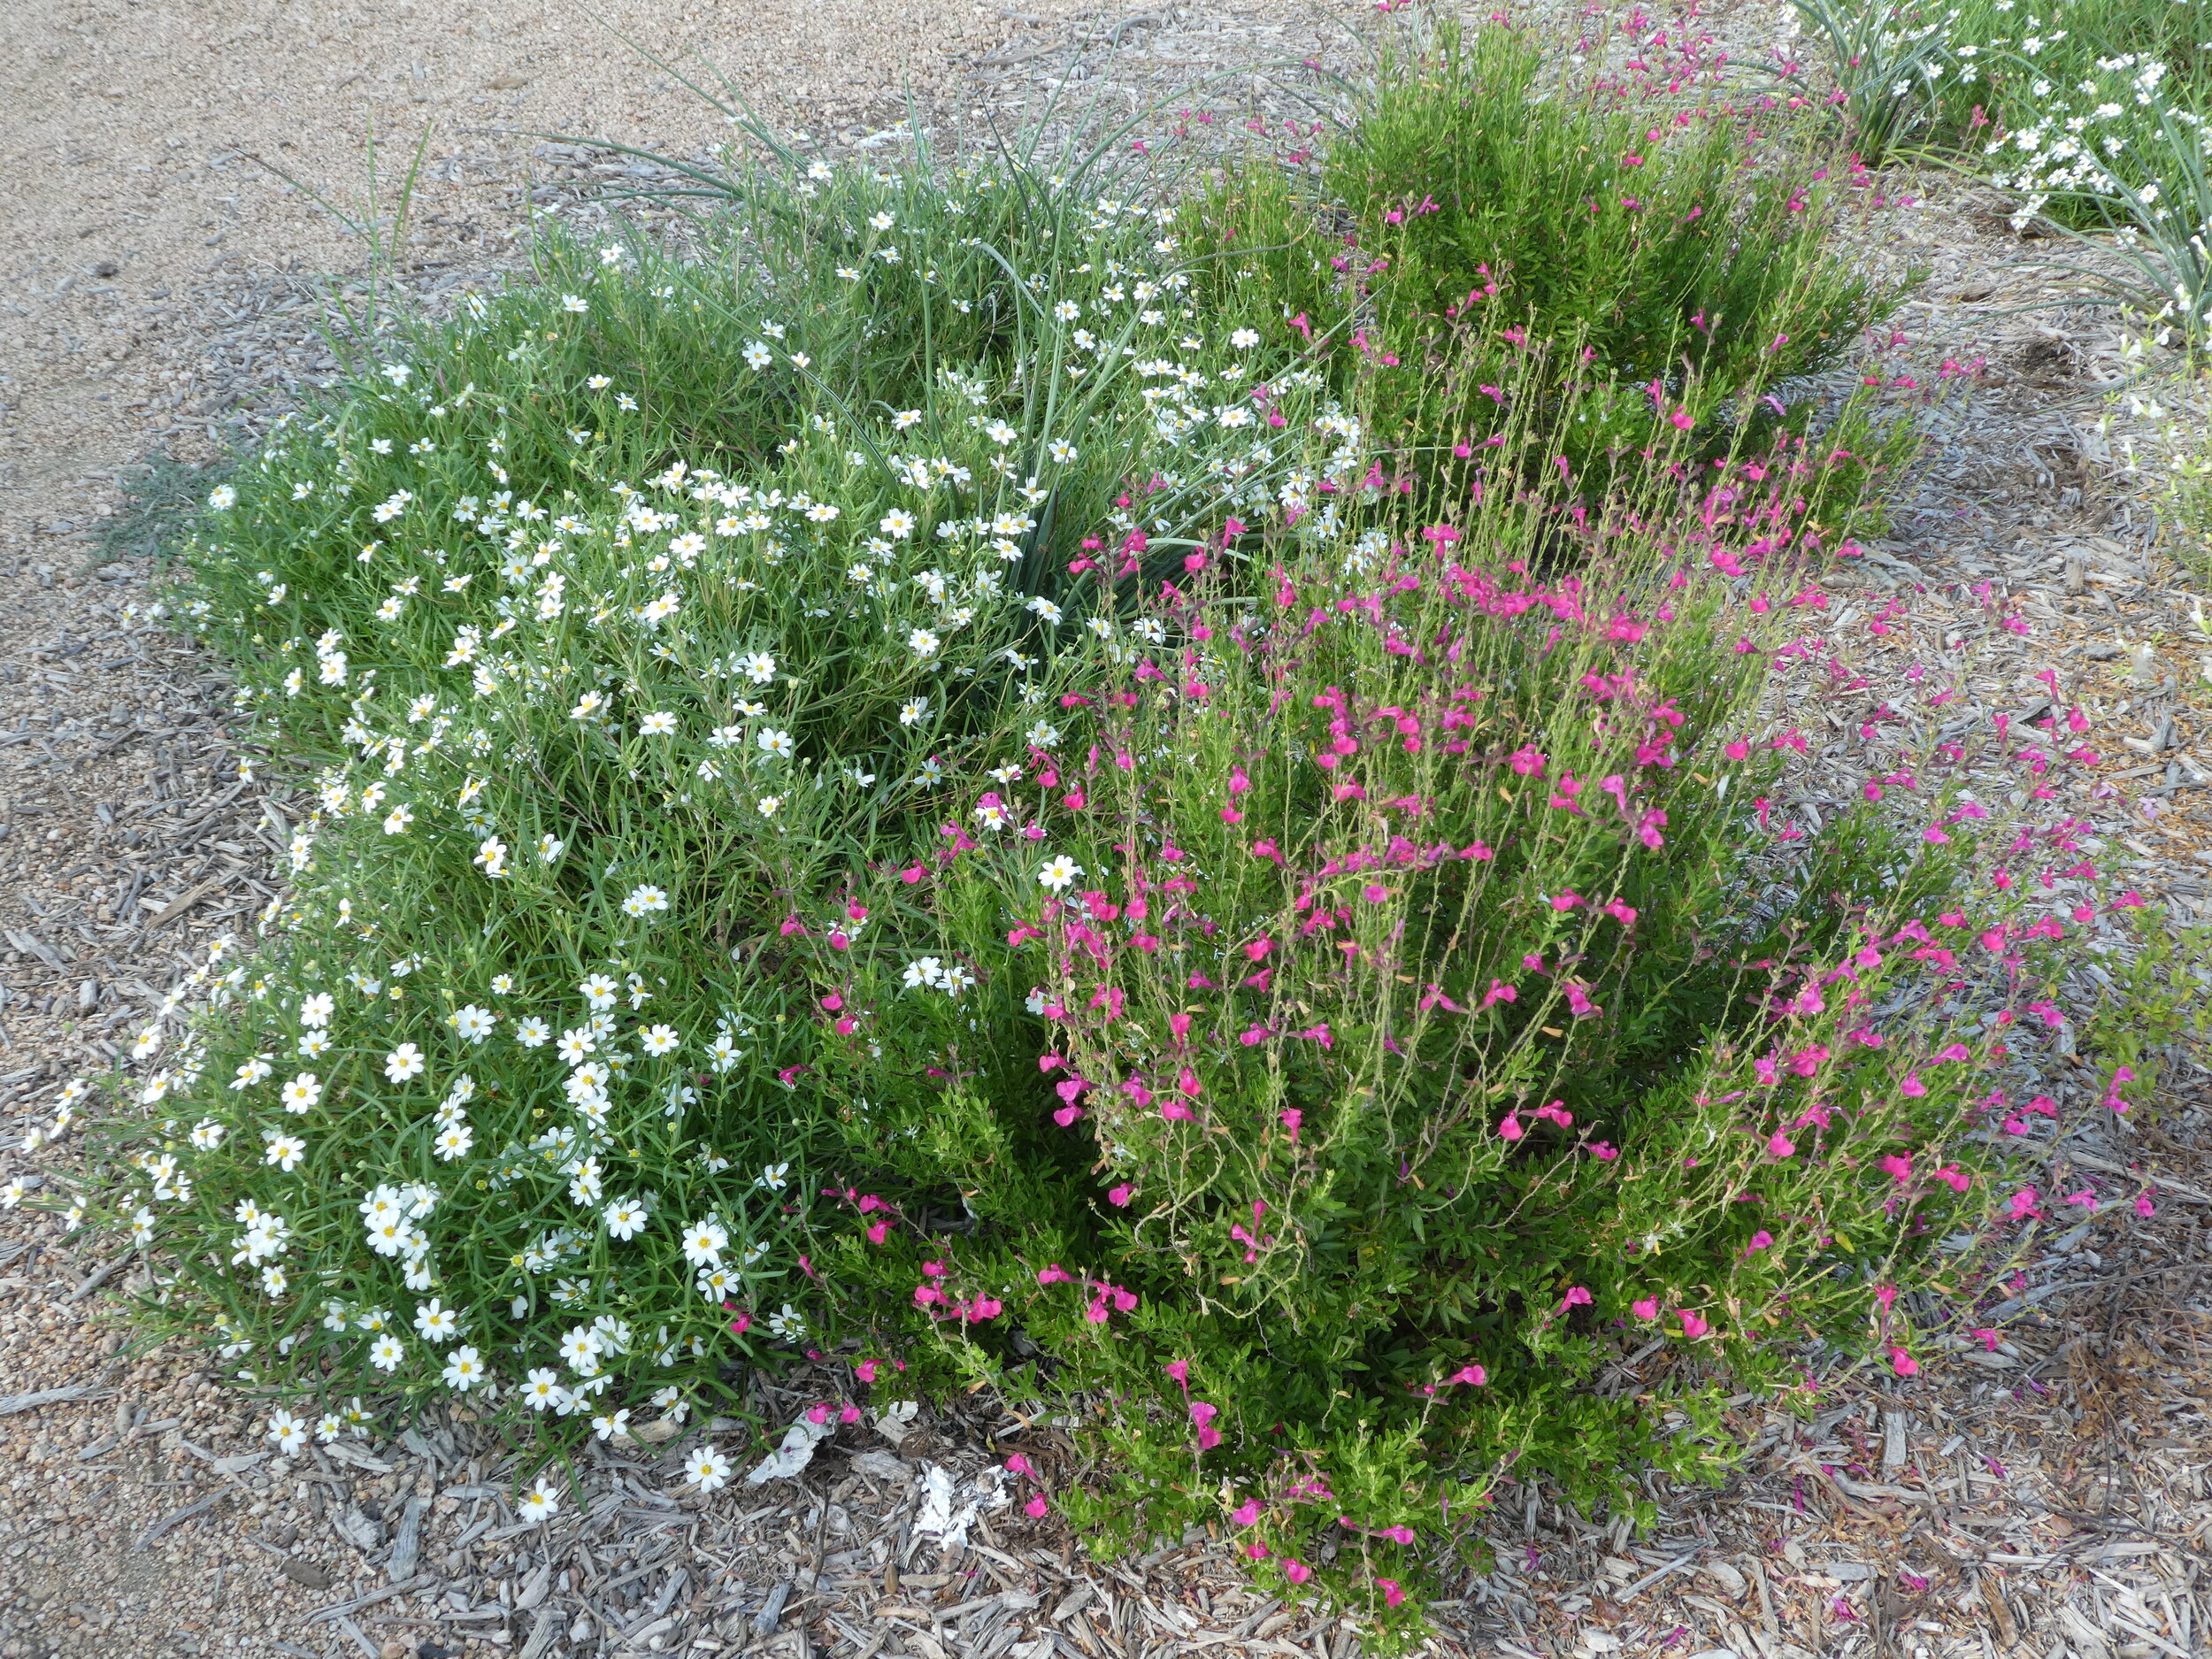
[(1179, 1369), (1778, 1146), (866, 1371), (1374, 893), (742, 1324), (1247, 1514), (1019, 1465), (1036, 1508), (1296, 1570), (1903, 1363), (1509, 1128), (1694, 1325), (1474, 1376), (1577, 1297), (1054, 1275), (1393, 1591), (1118, 1196), (1291, 1120), (1760, 1241), (1647, 1308)]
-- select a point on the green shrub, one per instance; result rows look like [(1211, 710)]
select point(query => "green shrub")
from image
[(587, 723), (1685, 260), (989, 859), (1406, 1003)]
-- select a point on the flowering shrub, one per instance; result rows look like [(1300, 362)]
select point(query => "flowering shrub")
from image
[(1039, 860), (2094, 113), (509, 1104), (1386, 1003)]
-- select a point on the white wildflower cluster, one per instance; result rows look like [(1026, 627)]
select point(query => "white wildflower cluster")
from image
[(2099, 136), (478, 1110)]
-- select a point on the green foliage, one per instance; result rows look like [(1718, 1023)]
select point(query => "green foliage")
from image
[(1473, 184), (1415, 983), (585, 721), (2092, 111), (944, 793)]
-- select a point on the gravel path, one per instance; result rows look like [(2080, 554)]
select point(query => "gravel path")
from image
[(159, 290)]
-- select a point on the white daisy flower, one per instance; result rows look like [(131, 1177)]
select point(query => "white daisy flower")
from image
[(465, 1370), (708, 1469), (705, 1243)]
